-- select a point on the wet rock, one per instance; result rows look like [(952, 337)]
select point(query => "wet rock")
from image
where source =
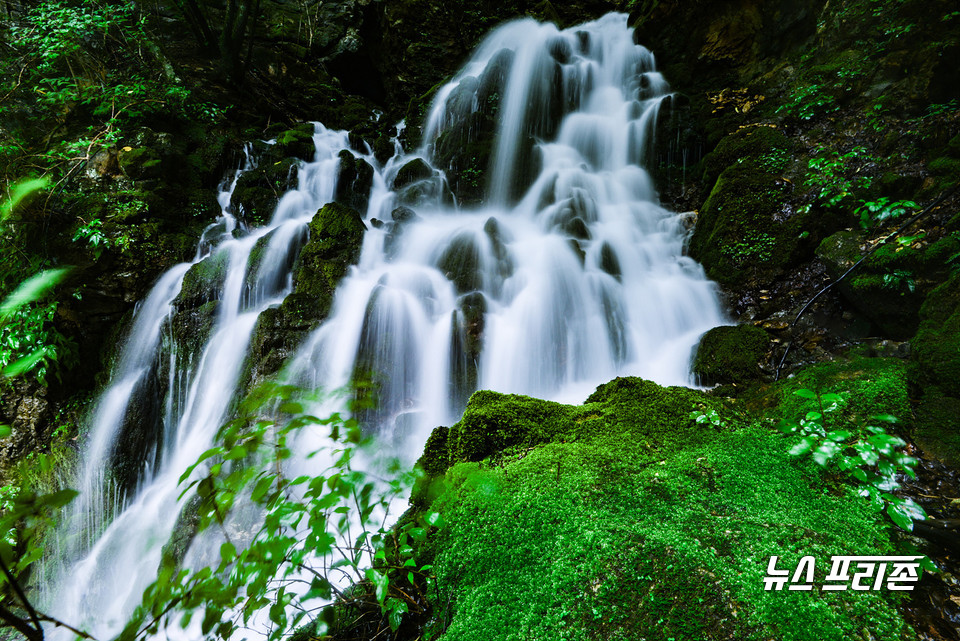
[(609, 262), (460, 262), (560, 49), (413, 171), (336, 236), (258, 191), (402, 216), (466, 346), (204, 281), (354, 181), (296, 143)]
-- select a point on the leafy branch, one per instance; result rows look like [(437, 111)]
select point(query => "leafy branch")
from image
[(874, 458)]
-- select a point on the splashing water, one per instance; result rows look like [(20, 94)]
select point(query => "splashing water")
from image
[(569, 274)]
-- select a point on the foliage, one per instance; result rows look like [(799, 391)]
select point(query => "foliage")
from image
[(73, 63), (312, 532), (91, 233), (809, 101), (875, 212), (872, 457), (28, 340), (24, 511), (830, 176)]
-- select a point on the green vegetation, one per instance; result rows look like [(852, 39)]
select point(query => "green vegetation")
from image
[(636, 520), (871, 456)]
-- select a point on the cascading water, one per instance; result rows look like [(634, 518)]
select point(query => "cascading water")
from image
[(567, 275)]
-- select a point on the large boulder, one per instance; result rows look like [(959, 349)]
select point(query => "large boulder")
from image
[(731, 354)]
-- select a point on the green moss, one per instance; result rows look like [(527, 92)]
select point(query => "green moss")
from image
[(634, 522), (297, 142), (761, 143), (891, 284), (494, 423), (944, 167), (869, 386), (411, 172), (935, 371), (141, 163), (203, 281), (730, 354), (744, 230), (936, 427), (336, 235), (258, 191)]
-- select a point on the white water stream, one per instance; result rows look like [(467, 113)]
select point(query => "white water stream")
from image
[(580, 280)]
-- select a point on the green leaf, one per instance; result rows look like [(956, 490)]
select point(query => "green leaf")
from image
[(806, 393), (20, 191), (236, 452), (901, 515), (261, 488), (32, 289), (804, 446), (26, 363), (381, 584), (434, 519), (839, 436), (5, 431)]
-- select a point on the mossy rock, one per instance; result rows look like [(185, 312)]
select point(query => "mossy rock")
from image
[(868, 386), (493, 423), (413, 171), (141, 163), (204, 281), (936, 430), (608, 519), (935, 372), (336, 236), (767, 146), (460, 263), (730, 354), (258, 191), (297, 142), (354, 181), (891, 284), (192, 327), (746, 234)]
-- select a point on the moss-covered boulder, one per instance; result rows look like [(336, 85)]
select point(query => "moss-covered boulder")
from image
[(891, 284), (460, 262), (607, 520), (412, 172), (746, 233), (935, 373), (731, 354), (296, 142), (868, 386), (354, 181), (258, 191), (767, 146), (335, 239), (935, 358), (204, 281), (336, 235)]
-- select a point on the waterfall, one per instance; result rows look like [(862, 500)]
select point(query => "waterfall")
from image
[(565, 274)]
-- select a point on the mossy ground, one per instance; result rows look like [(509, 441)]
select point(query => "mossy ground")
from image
[(624, 519)]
